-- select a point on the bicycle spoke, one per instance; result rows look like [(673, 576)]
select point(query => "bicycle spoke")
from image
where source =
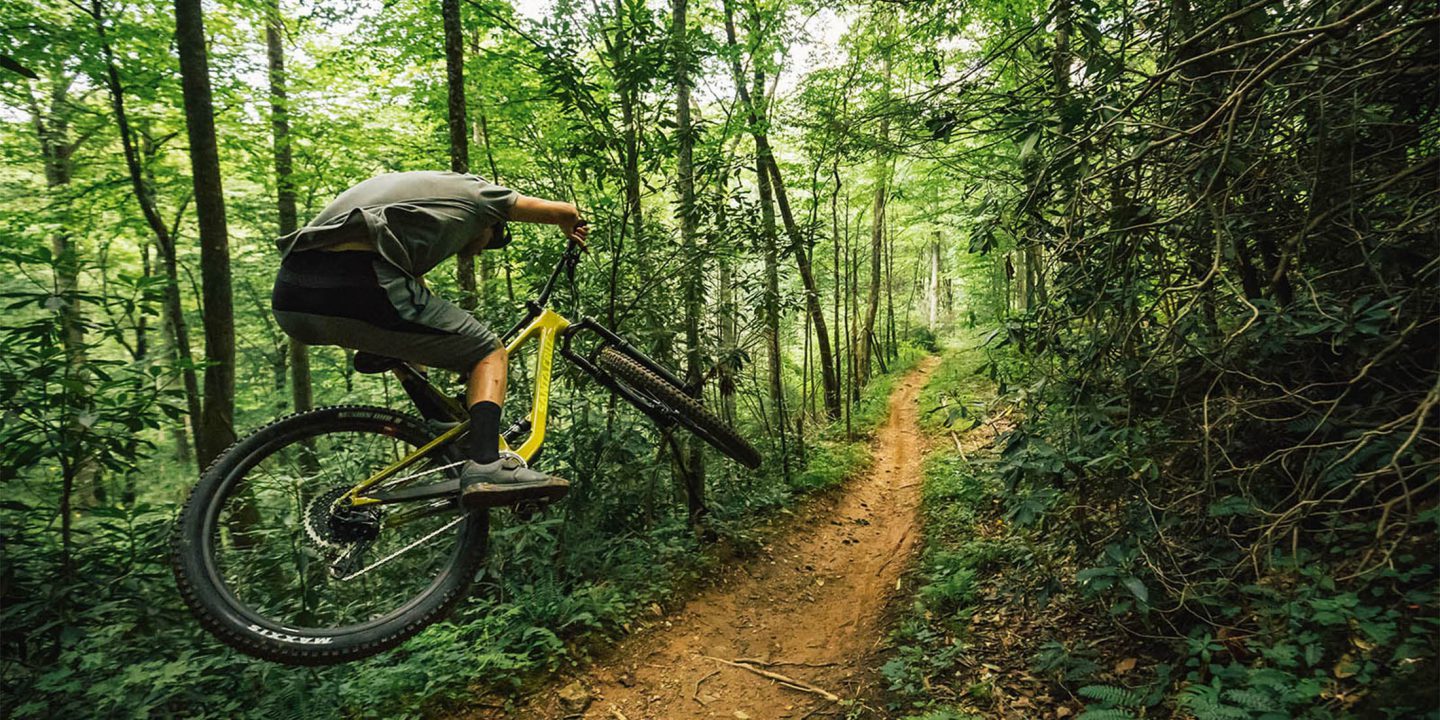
[(282, 551), (403, 550)]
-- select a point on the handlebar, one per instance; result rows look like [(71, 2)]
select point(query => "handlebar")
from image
[(568, 260)]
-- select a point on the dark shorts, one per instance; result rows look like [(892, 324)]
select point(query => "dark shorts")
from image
[(357, 300)]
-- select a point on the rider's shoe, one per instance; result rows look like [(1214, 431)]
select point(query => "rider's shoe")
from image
[(505, 482)]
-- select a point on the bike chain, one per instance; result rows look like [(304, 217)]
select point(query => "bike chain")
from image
[(321, 527)]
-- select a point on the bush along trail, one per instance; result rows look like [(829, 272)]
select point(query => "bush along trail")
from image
[(792, 632), (1010, 620)]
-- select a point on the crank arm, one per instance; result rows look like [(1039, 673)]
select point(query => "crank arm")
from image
[(446, 489), (420, 512)]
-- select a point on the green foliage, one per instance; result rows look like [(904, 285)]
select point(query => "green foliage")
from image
[(923, 338), (951, 400), (1215, 437), (1110, 697), (931, 639), (829, 463), (1197, 246)]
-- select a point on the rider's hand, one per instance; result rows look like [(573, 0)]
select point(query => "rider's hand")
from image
[(577, 232)]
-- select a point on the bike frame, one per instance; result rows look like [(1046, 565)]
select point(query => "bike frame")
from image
[(552, 332)]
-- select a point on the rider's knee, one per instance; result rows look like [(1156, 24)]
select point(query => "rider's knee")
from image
[(497, 355)]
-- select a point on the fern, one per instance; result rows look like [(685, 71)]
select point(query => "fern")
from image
[(1112, 696), (1221, 712), (1252, 699), (1204, 702), (1105, 714)]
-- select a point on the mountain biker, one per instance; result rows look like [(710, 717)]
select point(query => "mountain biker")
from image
[(353, 277)]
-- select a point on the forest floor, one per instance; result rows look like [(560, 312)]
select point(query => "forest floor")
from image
[(811, 606)]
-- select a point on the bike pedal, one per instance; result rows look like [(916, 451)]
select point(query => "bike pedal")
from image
[(527, 510)]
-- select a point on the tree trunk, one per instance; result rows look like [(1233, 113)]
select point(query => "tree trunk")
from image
[(177, 329), (725, 297), (142, 323), (695, 268), (459, 131), (52, 130), (766, 162), (836, 238), (829, 378), (770, 300), (634, 217), (1044, 182), (217, 429), (727, 316), (864, 343), (890, 294), (864, 347), (301, 392), (932, 290), (480, 135)]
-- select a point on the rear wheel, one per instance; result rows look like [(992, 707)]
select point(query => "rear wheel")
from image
[(275, 563), (688, 411)]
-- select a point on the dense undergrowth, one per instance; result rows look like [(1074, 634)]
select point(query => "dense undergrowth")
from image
[(1012, 617), (1224, 358), (122, 645)]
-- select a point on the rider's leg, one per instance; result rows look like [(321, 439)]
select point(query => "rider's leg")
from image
[(484, 394), (488, 479), (345, 299)]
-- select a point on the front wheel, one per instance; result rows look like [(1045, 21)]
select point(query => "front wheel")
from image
[(687, 410), (274, 563)]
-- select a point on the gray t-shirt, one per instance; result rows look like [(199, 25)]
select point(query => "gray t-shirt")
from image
[(414, 219)]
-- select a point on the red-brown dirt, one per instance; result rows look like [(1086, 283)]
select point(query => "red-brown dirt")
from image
[(810, 607)]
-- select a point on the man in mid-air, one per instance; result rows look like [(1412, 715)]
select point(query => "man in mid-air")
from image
[(353, 278)]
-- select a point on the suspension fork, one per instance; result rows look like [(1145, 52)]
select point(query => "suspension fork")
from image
[(613, 340), (661, 415)]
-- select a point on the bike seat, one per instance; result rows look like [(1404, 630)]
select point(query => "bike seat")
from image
[(370, 363)]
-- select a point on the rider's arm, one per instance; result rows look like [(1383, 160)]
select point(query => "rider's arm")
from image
[(548, 212)]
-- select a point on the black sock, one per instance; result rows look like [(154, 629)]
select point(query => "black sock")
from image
[(484, 432)]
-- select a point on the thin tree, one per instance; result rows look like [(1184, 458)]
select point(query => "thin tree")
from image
[(755, 107), (459, 132), (865, 340), (177, 329), (932, 288), (217, 429), (51, 123), (694, 467), (480, 135), (301, 392)]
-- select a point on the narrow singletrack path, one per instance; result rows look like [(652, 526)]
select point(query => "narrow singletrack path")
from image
[(810, 607)]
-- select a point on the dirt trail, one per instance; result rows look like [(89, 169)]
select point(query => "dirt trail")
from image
[(810, 607)]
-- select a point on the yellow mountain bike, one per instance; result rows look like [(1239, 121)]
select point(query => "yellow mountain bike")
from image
[(336, 533)]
